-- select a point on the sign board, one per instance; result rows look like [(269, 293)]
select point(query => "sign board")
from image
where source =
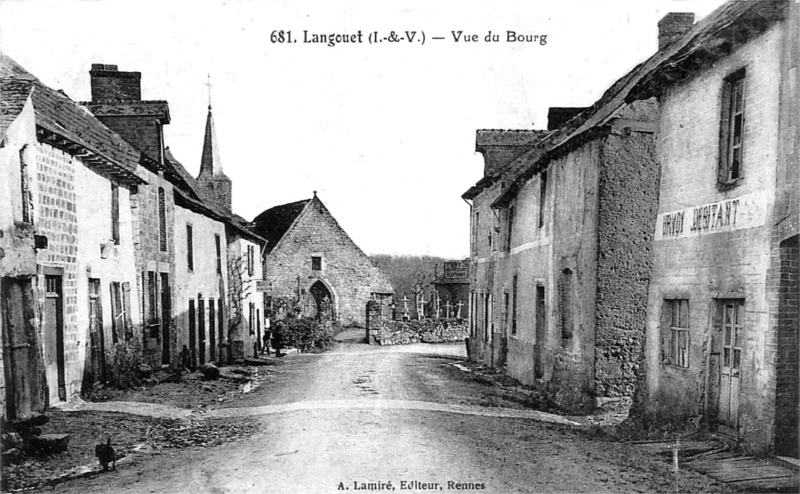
[(456, 270)]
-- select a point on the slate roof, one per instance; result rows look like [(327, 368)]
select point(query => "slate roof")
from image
[(13, 95), (713, 37), (152, 108), (60, 116), (194, 196), (273, 223)]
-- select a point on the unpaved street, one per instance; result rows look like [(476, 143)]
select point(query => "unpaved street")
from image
[(361, 417)]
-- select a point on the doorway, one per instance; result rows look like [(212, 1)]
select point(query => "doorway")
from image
[(728, 339), (96, 336), (166, 318), (26, 388), (322, 306), (54, 329)]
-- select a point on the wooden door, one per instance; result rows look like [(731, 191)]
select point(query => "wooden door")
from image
[(22, 360), (730, 370), (166, 318), (54, 329), (201, 325), (96, 336)]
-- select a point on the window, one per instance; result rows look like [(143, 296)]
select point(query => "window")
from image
[(189, 248), (732, 128), (162, 220), (514, 306), (732, 335), (218, 247), (115, 213), (251, 260), (510, 228), (542, 197), (316, 263), (675, 333)]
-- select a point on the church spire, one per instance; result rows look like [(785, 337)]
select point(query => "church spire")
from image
[(211, 176), (210, 163)]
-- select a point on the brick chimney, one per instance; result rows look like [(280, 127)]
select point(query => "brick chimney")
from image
[(672, 26), (117, 102), (109, 84), (557, 116)]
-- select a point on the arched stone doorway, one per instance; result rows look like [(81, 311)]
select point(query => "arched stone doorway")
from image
[(319, 302)]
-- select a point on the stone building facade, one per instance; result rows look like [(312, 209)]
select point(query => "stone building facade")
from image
[(23, 387), (116, 101), (722, 314), (313, 267), (562, 262), (84, 252)]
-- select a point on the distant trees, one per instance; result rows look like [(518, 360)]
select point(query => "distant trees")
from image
[(407, 272)]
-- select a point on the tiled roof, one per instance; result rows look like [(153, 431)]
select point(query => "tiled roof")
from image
[(60, 116), (273, 223), (737, 19)]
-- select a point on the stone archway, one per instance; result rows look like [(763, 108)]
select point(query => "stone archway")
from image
[(320, 302)]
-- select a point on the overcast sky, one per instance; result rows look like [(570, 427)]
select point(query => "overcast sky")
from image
[(384, 132)]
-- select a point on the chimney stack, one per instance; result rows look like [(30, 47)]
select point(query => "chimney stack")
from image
[(672, 26), (109, 84)]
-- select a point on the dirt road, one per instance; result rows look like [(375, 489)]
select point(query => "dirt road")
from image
[(394, 419)]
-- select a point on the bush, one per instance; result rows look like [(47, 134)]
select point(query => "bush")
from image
[(306, 335)]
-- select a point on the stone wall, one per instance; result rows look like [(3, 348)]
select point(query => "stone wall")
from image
[(388, 332), (730, 261), (27, 385), (628, 202), (151, 257), (57, 219)]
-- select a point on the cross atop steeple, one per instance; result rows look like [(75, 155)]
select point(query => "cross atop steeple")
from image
[(208, 83)]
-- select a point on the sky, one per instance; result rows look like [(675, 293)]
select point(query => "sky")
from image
[(385, 131)]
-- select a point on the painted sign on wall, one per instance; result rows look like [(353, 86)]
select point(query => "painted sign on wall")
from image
[(747, 211)]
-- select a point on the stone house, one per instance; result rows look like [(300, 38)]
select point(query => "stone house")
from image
[(116, 101), (73, 321), (561, 249), (722, 310), (313, 267), (183, 241)]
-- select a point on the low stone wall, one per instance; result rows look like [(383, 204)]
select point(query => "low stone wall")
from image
[(388, 332)]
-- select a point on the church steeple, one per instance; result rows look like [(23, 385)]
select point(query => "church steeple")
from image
[(211, 176), (210, 163)]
